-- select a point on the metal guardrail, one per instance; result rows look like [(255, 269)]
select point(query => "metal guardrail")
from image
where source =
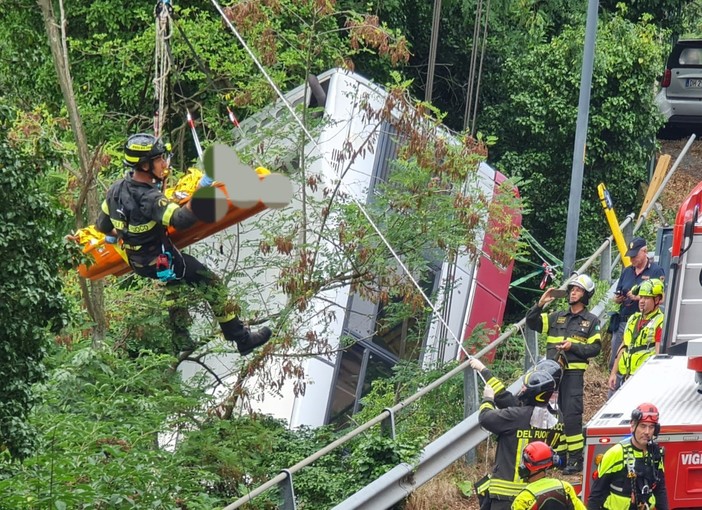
[(385, 415), (465, 436), (400, 481), (403, 479)]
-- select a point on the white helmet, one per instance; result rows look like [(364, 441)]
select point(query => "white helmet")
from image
[(584, 282)]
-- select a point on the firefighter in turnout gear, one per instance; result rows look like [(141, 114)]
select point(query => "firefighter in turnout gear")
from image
[(573, 337), (136, 211), (630, 475), (515, 428), (504, 398), (642, 335), (543, 493)]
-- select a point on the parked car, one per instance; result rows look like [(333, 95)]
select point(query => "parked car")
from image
[(680, 97)]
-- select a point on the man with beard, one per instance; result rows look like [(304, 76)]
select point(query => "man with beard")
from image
[(630, 474)]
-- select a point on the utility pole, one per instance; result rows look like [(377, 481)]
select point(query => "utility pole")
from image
[(428, 92), (576, 180)]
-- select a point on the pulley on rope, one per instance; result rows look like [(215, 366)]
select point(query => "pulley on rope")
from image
[(548, 276)]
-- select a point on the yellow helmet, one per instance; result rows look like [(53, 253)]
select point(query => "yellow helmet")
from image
[(651, 288)]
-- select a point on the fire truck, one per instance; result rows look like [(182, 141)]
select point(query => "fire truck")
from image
[(671, 380)]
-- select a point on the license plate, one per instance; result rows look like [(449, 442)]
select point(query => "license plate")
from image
[(694, 83)]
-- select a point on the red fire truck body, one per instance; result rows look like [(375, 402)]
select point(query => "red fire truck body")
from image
[(672, 383), (668, 383)]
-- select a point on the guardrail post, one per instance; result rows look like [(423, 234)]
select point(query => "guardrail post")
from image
[(606, 264), (531, 348), (287, 491), (387, 426), (471, 403)]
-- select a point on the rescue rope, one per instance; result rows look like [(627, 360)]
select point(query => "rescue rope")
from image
[(350, 194), (162, 61), (527, 350)]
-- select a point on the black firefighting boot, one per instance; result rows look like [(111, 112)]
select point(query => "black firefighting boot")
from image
[(575, 464), (245, 339)]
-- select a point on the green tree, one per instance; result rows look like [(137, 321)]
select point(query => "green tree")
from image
[(32, 251), (102, 412), (667, 14), (100, 419), (535, 124)]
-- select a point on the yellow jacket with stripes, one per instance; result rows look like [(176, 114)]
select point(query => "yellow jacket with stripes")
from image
[(547, 490)]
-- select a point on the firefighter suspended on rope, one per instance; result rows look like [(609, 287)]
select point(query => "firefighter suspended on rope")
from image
[(137, 212)]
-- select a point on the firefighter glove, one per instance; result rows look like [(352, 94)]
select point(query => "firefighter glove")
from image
[(488, 392), (476, 364)]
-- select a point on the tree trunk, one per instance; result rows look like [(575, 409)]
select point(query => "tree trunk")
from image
[(93, 291)]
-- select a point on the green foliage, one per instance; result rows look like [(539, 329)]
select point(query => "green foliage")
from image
[(31, 248), (100, 420), (104, 421), (540, 88), (111, 51), (692, 20), (424, 419), (27, 73), (243, 453), (509, 358), (666, 14)]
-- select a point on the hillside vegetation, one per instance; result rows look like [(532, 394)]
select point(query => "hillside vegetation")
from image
[(94, 413)]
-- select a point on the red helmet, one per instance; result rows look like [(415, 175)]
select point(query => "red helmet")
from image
[(645, 412), (537, 456)]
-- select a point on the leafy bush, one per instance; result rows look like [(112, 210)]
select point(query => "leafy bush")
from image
[(32, 305), (535, 123)]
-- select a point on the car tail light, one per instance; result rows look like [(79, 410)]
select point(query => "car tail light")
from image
[(666, 78)]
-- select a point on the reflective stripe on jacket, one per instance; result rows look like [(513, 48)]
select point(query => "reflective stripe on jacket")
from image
[(141, 213), (639, 340), (581, 329), (623, 465), (547, 491)]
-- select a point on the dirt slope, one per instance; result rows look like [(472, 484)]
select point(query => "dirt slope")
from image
[(688, 173)]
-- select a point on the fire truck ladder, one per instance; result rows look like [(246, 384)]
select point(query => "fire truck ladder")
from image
[(684, 294)]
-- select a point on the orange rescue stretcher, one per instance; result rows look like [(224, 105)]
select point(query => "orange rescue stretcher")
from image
[(110, 259)]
